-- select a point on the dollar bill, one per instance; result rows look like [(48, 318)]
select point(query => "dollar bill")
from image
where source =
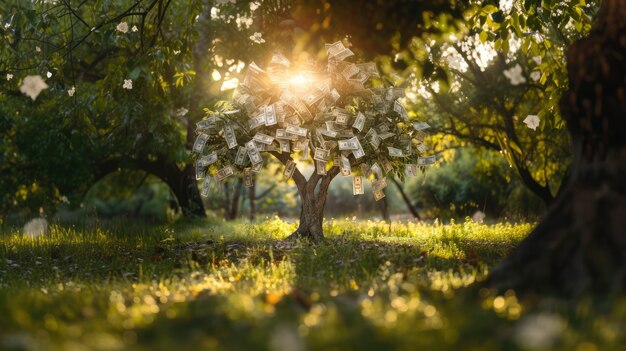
[(300, 144), (328, 133), (385, 135), (229, 135), (372, 137), (200, 171), (305, 151), (425, 161), (334, 95), (357, 185), (378, 195), (397, 107), (266, 148), (346, 169), (270, 116), (321, 154), (387, 167), (224, 173), (263, 138), (350, 144), (282, 134), (208, 123), (343, 54), (198, 145), (295, 130), (422, 148), (206, 186), (280, 60), (411, 170), (253, 152), (358, 153), (247, 177), (345, 133), (380, 184), (383, 127), (320, 167), (208, 159), (349, 71), (420, 126), (293, 120), (313, 97), (256, 168), (342, 118), (257, 121), (334, 49), (369, 68), (378, 172), (240, 159), (359, 122), (290, 167), (285, 146), (395, 152)]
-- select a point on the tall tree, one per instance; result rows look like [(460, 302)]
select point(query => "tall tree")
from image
[(580, 246)]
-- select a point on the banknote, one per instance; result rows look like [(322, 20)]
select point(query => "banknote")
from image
[(350, 144), (206, 186), (240, 159), (357, 185), (253, 152), (263, 138), (290, 167), (395, 152), (428, 160), (198, 145), (321, 154), (359, 122), (208, 159), (247, 177)]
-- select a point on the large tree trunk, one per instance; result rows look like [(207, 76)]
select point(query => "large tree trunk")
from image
[(580, 247)]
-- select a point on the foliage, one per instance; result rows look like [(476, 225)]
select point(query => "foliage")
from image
[(475, 180), (235, 287), (103, 125)]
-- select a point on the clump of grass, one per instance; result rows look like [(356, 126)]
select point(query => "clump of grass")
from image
[(237, 286)]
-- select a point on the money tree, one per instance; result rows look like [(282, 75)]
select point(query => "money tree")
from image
[(337, 115)]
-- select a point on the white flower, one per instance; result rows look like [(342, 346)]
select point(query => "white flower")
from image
[(257, 38), (71, 91), (135, 29), (7, 25), (537, 59), (9, 76), (176, 52), (128, 84), (181, 112), (49, 74), (532, 121), (506, 5), (478, 217), (539, 331), (515, 75), (122, 27), (32, 86), (535, 75), (37, 48)]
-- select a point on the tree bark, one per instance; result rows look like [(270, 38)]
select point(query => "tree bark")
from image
[(406, 199), (384, 207), (312, 202), (252, 200), (580, 247)]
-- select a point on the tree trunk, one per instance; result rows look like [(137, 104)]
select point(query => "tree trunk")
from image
[(311, 220), (580, 247), (252, 200), (234, 206), (384, 207), (406, 199)]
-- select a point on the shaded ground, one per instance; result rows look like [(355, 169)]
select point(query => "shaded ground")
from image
[(237, 287)]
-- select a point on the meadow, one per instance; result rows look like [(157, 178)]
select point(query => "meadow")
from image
[(236, 286)]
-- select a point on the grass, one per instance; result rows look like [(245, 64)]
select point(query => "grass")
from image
[(236, 286)]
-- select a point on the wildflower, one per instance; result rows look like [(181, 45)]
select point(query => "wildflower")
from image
[(532, 121), (135, 29), (49, 74), (537, 59), (515, 75), (128, 84), (122, 27), (535, 75), (181, 112), (9, 76), (257, 38), (71, 91), (32, 86), (37, 48)]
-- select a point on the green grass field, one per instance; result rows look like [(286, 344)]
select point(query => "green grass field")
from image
[(236, 286)]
